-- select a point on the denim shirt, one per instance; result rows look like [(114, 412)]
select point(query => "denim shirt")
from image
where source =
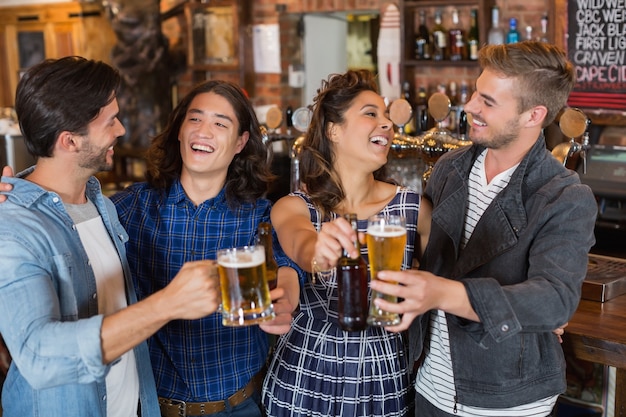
[(49, 308), (522, 268)]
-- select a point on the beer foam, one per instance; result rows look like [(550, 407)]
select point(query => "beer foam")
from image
[(242, 259), (386, 231)]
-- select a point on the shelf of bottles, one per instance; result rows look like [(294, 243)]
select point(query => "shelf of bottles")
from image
[(458, 92), (443, 33)]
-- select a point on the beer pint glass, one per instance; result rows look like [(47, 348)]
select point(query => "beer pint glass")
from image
[(386, 239), (245, 293)]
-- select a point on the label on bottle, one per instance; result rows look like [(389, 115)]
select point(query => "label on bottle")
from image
[(472, 50)]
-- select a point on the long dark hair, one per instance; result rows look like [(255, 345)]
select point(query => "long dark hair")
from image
[(248, 176), (317, 159)]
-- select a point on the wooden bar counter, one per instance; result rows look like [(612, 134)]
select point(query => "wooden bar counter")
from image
[(597, 333)]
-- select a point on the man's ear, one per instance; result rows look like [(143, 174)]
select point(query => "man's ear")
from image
[(242, 140), (67, 141), (536, 116)]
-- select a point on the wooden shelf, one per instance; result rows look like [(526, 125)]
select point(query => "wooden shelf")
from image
[(31, 33), (220, 40), (408, 9)]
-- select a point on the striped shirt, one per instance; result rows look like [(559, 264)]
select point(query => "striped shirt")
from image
[(435, 379)]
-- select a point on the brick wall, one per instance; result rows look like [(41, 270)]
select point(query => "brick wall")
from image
[(274, 88)]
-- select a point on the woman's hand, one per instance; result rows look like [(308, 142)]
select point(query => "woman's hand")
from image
[(333, 238)]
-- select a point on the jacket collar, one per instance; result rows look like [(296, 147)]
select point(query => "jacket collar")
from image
[(506, 214)]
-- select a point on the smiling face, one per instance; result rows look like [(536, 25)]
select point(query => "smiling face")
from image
[(96, 148), (494, 111), (209, 138), (364, 138)]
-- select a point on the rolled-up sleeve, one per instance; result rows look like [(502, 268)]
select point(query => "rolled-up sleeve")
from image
[(40, 321)]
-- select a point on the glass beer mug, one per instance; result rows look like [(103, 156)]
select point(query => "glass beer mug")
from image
[(386, 240), (245, 293)]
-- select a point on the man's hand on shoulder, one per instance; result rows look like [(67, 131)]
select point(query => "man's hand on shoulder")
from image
[(6, 172)]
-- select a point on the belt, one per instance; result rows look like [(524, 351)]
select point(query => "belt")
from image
[(175, 408)]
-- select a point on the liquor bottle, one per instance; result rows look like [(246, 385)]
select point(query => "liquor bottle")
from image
[(440, 44), (407, 94), (462, 126), (496, 33), (352, 286), (456, 38), (529, 33), (271, 267), (454, 98), (421, 105), (452, 118), (513, 35), (472, 36), (544, 29), (289, 119), (422, 38), (463, 93)]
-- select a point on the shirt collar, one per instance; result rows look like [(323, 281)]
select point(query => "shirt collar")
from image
[(177, 195), (28, 192)]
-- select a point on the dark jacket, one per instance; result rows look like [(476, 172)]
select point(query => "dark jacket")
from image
[(522, 268)]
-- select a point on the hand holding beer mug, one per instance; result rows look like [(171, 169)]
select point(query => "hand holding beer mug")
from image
[(386, 239), (245, 293)]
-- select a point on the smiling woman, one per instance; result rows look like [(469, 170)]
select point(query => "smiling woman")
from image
[(342, 166)]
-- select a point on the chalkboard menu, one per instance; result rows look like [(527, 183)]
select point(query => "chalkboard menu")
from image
[(597, 46)]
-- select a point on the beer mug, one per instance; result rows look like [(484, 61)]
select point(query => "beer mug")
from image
[(386, 240), (245, 293)]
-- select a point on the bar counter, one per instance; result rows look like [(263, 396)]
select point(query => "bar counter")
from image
[(597, 333)]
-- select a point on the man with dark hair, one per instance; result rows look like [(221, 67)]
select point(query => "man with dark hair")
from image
[(207, 176), (70, 317)]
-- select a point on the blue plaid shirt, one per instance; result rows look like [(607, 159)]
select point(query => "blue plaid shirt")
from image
[(193, 360)]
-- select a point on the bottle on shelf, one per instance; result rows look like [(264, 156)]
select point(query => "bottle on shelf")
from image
[(462, 126), (453, 104), (439, 35), (454, 98), (271, 267), (529, 33), (513, 35), (461, 129), (407, 94), (352, 285), (472, 36), (543, 37), (289, 120), (422, 38), (464, 95), (496, 34), (456, 38), (421, 105)]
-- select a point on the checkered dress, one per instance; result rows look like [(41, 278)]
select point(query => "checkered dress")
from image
[(319, 369)]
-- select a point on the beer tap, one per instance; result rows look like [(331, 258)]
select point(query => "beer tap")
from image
[(438, 140), (301, 119), (289, 121), (573, 124), (402, 145)]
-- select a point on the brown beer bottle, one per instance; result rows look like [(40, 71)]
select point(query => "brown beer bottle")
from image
[(271, 267), (353, 286)]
